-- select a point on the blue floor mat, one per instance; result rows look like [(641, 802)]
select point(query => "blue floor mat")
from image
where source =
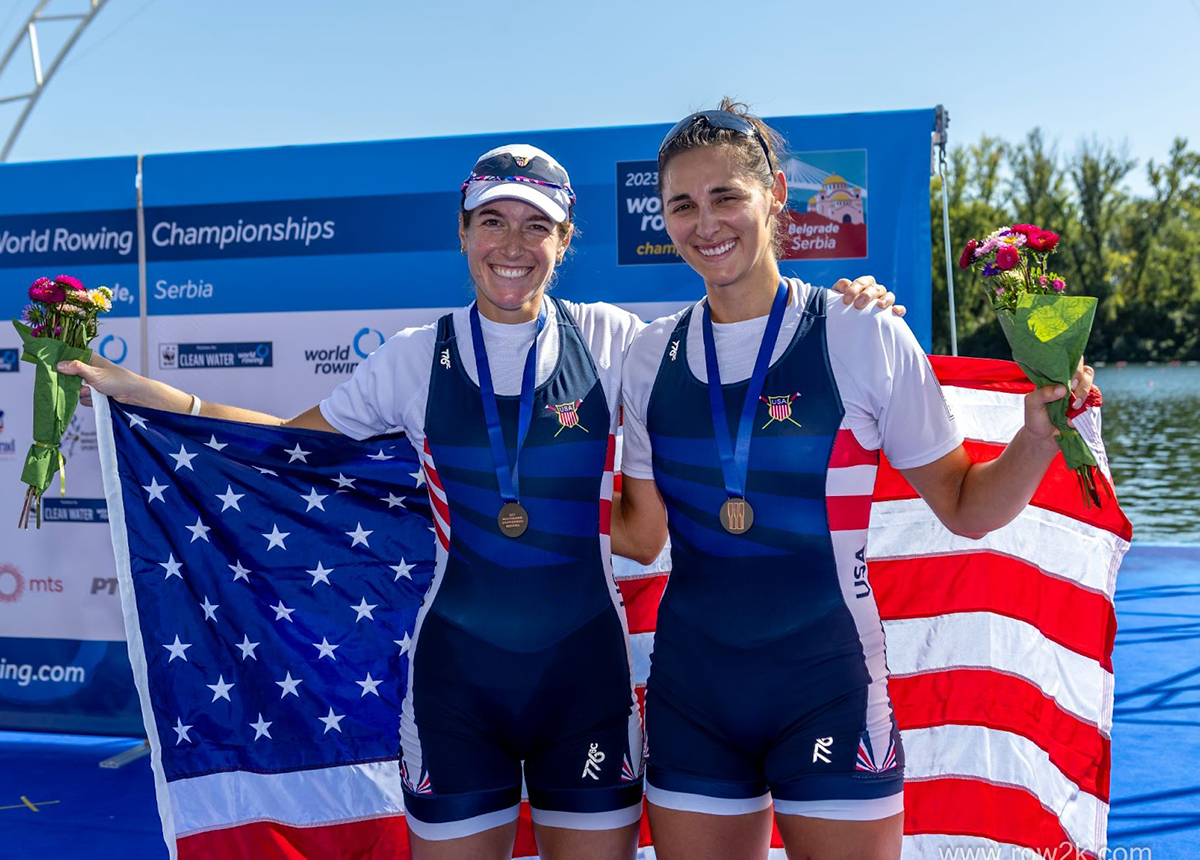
[(1156, 718), (57, 803)]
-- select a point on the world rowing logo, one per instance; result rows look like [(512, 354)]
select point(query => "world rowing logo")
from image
[(780, 409), (568, 416)]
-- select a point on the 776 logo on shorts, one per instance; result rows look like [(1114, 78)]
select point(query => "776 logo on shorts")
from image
[(591, 768)]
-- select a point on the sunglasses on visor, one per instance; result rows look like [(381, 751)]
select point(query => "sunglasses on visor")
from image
[(717, 119), (505, 168)]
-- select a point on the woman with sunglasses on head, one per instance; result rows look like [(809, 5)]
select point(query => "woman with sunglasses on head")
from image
[(752, 422), (519, 663)]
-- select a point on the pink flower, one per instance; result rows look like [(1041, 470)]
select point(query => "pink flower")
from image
[(45, 290), (1043, 280), (1000, 291), (1007, 258), (1059, 284), (37, 330), (69, 282), (1025, 229)]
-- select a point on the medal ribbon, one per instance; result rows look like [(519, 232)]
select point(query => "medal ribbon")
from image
[(507, 477), (735, 462)]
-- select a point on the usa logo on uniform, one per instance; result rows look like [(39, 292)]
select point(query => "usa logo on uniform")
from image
[(568, 416), (780, 408)]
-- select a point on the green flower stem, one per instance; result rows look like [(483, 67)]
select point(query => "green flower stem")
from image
[(55, 397)]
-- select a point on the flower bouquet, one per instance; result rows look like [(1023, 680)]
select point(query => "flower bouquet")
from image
[(1046, 329), (57, 325)]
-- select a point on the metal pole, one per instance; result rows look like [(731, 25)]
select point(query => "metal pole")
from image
[(143, 303), (41, 77), (943, 120)]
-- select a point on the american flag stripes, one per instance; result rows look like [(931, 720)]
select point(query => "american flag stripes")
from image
[(999, 650)]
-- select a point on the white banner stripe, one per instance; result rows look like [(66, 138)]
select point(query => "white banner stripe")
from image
[(1003, 758), (299, 798), (1056, 544), (986, 640)]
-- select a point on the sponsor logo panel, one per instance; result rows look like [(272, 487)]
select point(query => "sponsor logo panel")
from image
[(341, 358), (69, 510), (15, 585), (641, 233), (10, 359), (113, 347), (181, 356)]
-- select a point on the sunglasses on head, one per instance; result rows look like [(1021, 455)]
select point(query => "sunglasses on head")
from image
[(717, 119)]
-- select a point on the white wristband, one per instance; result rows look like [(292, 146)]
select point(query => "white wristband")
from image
[(196, 404)]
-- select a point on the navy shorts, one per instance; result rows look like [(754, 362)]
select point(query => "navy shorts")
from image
[(728, 734), (480, 717)]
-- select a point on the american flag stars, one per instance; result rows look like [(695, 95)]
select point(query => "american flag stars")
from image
[(359, 536), (155, 491), (265, 562), (276, 537), (229, 499)]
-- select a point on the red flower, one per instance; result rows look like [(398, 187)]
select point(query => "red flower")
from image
[(1025, 229), (967, 256), (69, 282), (1042, 240), (1007, 257)]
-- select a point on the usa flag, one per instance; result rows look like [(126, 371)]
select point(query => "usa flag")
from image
[(270, 581)]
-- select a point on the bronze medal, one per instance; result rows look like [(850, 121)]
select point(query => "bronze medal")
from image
[(737, 516), (513, 520)]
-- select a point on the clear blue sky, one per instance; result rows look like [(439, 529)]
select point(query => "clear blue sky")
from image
[(177, 75)]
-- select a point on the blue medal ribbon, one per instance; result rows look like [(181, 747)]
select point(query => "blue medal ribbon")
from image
[(735, 462), (506, 476)]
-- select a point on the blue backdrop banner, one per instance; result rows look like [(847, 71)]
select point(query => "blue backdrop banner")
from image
[(270, 273)]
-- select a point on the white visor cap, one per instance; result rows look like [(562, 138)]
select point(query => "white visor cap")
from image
[(520, 172)]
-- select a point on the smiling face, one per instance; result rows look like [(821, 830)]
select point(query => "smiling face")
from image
[(512, 249), (721, 218)]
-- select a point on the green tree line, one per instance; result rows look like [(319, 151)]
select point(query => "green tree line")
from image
[(1139, 255)]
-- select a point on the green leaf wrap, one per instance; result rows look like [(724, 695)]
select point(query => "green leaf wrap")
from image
[(55, 397), (1047, 336)]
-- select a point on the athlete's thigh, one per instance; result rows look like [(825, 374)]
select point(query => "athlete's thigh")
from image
[(560, 843), (682, 835), (494, 844), (824, 839)]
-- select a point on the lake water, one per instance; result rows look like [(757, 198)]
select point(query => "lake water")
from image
[(1151, 424)]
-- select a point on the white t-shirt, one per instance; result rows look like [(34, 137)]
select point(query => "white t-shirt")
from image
[(390, 388), (892, 399)]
